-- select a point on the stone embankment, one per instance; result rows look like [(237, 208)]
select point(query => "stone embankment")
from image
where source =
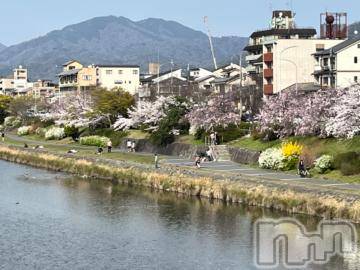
[(187, 181)]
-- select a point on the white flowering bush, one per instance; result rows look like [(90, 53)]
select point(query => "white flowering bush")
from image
[(324, 163), (94, 141), (25, 130), (12, 122), (55, 133), (272, 158)]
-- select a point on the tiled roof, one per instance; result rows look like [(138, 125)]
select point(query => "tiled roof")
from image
[(69, 72), (338, 47), (285, 32)]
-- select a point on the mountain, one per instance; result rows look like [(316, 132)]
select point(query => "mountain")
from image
[(118, 40), (2, 47), (354, 27)]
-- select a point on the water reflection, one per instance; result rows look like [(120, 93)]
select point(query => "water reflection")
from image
[(71, 223)]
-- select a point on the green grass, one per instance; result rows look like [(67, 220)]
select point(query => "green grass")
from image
[(137, 134), (189, 139), (319, 146), (61, 147), (256, 145), (337, 175)]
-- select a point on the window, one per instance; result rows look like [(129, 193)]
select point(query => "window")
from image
[(120, 71), (108, 72), (87, 77), (355, 60), (129, 82), (355, 79), (358, 46), (135, 72)]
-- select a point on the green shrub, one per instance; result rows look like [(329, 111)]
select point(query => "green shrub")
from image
[(348, 163), (232, 132), (116, 137), (324, 163), (72, 131), (162, 137), (94, 141), (55, 133)]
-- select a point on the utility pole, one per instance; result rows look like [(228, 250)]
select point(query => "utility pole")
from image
[(240, 84), (210, 40)]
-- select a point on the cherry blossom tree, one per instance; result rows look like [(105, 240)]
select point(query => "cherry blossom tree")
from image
[(345, 115), (320, 113), (145, 113), (220, 110), (71, 110)]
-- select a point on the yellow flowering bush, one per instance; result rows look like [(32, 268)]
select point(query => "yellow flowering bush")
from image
[(291, 149)]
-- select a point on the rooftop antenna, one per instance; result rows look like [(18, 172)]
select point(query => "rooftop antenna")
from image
[(210, 40)]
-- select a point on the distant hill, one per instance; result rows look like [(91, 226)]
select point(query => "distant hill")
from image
[(2, 47), (118, 40), (354, 27)]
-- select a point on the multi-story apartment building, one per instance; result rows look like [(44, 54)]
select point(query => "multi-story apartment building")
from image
[(21, 84), (338, 66), (76, 77), (112, 76), (281, 56), (44, 89)]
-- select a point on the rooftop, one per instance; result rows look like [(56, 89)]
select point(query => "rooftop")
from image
[(116, 66), (338, 47)]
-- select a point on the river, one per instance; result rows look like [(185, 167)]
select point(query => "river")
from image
[(56, 221)]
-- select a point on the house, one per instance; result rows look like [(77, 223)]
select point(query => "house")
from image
[(198, 72), (112, 76), (6, 86), (338, 66), (21, 84), (76, 77), (281, 56), (44, 89)]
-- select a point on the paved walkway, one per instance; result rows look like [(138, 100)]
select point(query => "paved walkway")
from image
[(230, 168)]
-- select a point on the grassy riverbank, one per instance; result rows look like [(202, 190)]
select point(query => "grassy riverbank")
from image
[(329, 206)]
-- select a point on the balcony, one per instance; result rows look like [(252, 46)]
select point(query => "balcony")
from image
[(251, 69), (268, 73), (268, 57), (268, 89), (252, 57)]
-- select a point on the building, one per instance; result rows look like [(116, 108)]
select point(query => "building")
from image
[(21, 84), (338, 66), (44, 89), (6, 86), (76, 77), (112, 76), (196, 73), (281, 56)]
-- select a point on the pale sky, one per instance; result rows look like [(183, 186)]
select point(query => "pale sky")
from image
[(22, 20)]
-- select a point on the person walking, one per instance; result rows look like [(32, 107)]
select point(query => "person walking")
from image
[(3, 136), (133, 146), (156, 161), (302, 169), (109, 146), (197, 162), (212, 138), (128, 145)]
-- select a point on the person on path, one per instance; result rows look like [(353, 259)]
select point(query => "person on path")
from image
[(133, 146), (109, 146), (156, 161), (302, 169), (3, 136), (212, 138), (198, 161), (128, 145), (99, 150)]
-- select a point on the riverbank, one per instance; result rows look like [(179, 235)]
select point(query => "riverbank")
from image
[(310, 201)]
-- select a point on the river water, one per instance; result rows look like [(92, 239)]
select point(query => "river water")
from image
[(54, 221)]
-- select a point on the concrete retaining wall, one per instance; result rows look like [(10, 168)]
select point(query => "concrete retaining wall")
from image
[(244, 156)]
